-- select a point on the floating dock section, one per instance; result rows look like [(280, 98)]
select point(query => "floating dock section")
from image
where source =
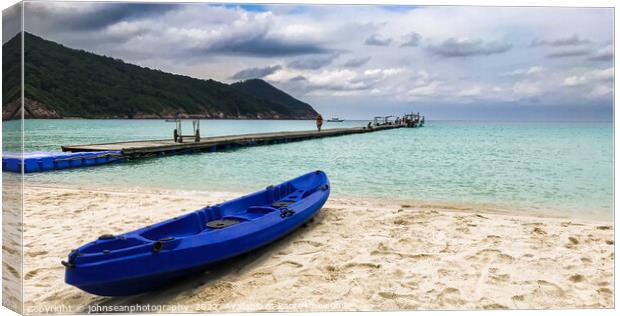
[(148, 148), (46, 161)]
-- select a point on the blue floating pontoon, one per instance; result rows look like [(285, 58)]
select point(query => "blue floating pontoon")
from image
[(45, 161), (149, 258)]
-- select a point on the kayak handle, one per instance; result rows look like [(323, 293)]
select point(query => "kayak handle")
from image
[(67, 264)]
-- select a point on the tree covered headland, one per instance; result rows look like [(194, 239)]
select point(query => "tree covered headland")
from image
[(75, 83)]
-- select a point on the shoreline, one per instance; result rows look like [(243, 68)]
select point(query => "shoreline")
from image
[(354, 255), (486, 207)]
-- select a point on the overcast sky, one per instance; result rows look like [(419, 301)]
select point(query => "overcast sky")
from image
[(359, 61)]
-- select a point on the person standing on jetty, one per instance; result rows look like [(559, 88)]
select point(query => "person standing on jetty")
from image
[(319, 122)]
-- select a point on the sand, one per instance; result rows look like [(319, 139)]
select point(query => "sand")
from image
[(353, 256), (11, 241)]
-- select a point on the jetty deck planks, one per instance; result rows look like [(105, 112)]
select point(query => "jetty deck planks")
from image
[(217, 143)]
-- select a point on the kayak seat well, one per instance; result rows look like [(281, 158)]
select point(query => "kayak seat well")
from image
[(289, 199), (282, 203), (260, 210), (222, 223), (309, 192), (285, 191), (252, 212), (190, 224), (297, 195)]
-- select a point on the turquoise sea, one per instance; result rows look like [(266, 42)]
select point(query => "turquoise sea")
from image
[(559, 168)]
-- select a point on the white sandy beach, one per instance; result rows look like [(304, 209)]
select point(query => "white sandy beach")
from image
[(353, 256), (11, 242)]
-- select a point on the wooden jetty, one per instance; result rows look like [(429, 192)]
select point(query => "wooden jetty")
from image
[(146, 148)]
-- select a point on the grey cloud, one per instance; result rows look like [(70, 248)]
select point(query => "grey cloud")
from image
[(411, 40), (99, 17), (313, 62), (11, 22), (302, 85), (603, 57), (356, 62), (566, 41), (604, 54), (569, 53), (463, 48), (84, 26), (377, 40), (297, 85), (299, 78), (251, 73), (355, 85), (263, 46)]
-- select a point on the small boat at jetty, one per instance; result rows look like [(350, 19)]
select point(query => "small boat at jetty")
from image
[(335, 120), (151, 257)]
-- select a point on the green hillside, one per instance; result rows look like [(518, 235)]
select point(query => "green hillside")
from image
[(76, 83), (263, 90)]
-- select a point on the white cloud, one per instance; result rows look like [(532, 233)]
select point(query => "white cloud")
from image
[(378, 72), (428, 90), (422, 78), (330, 77), (600, 91), (534, 70), (526, 89), (574, 81), (604, 74), (604, 54), (591, 76), (471, 92)]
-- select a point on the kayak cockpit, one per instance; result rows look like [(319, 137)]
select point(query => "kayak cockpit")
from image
[(222, 216), (186, 225)]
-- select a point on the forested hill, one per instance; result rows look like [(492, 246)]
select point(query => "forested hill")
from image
[(263, 90), (61, 82)]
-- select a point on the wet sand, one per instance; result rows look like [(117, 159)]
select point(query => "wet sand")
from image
[(353, 255)]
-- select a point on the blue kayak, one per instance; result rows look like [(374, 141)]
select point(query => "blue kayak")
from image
[(150, 257)]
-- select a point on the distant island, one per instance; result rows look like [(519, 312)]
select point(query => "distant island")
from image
[(62, 82)]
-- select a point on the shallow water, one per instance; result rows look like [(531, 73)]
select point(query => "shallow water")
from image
[(559, 168)]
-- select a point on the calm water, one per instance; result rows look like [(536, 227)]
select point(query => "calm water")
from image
[(564, 168)]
